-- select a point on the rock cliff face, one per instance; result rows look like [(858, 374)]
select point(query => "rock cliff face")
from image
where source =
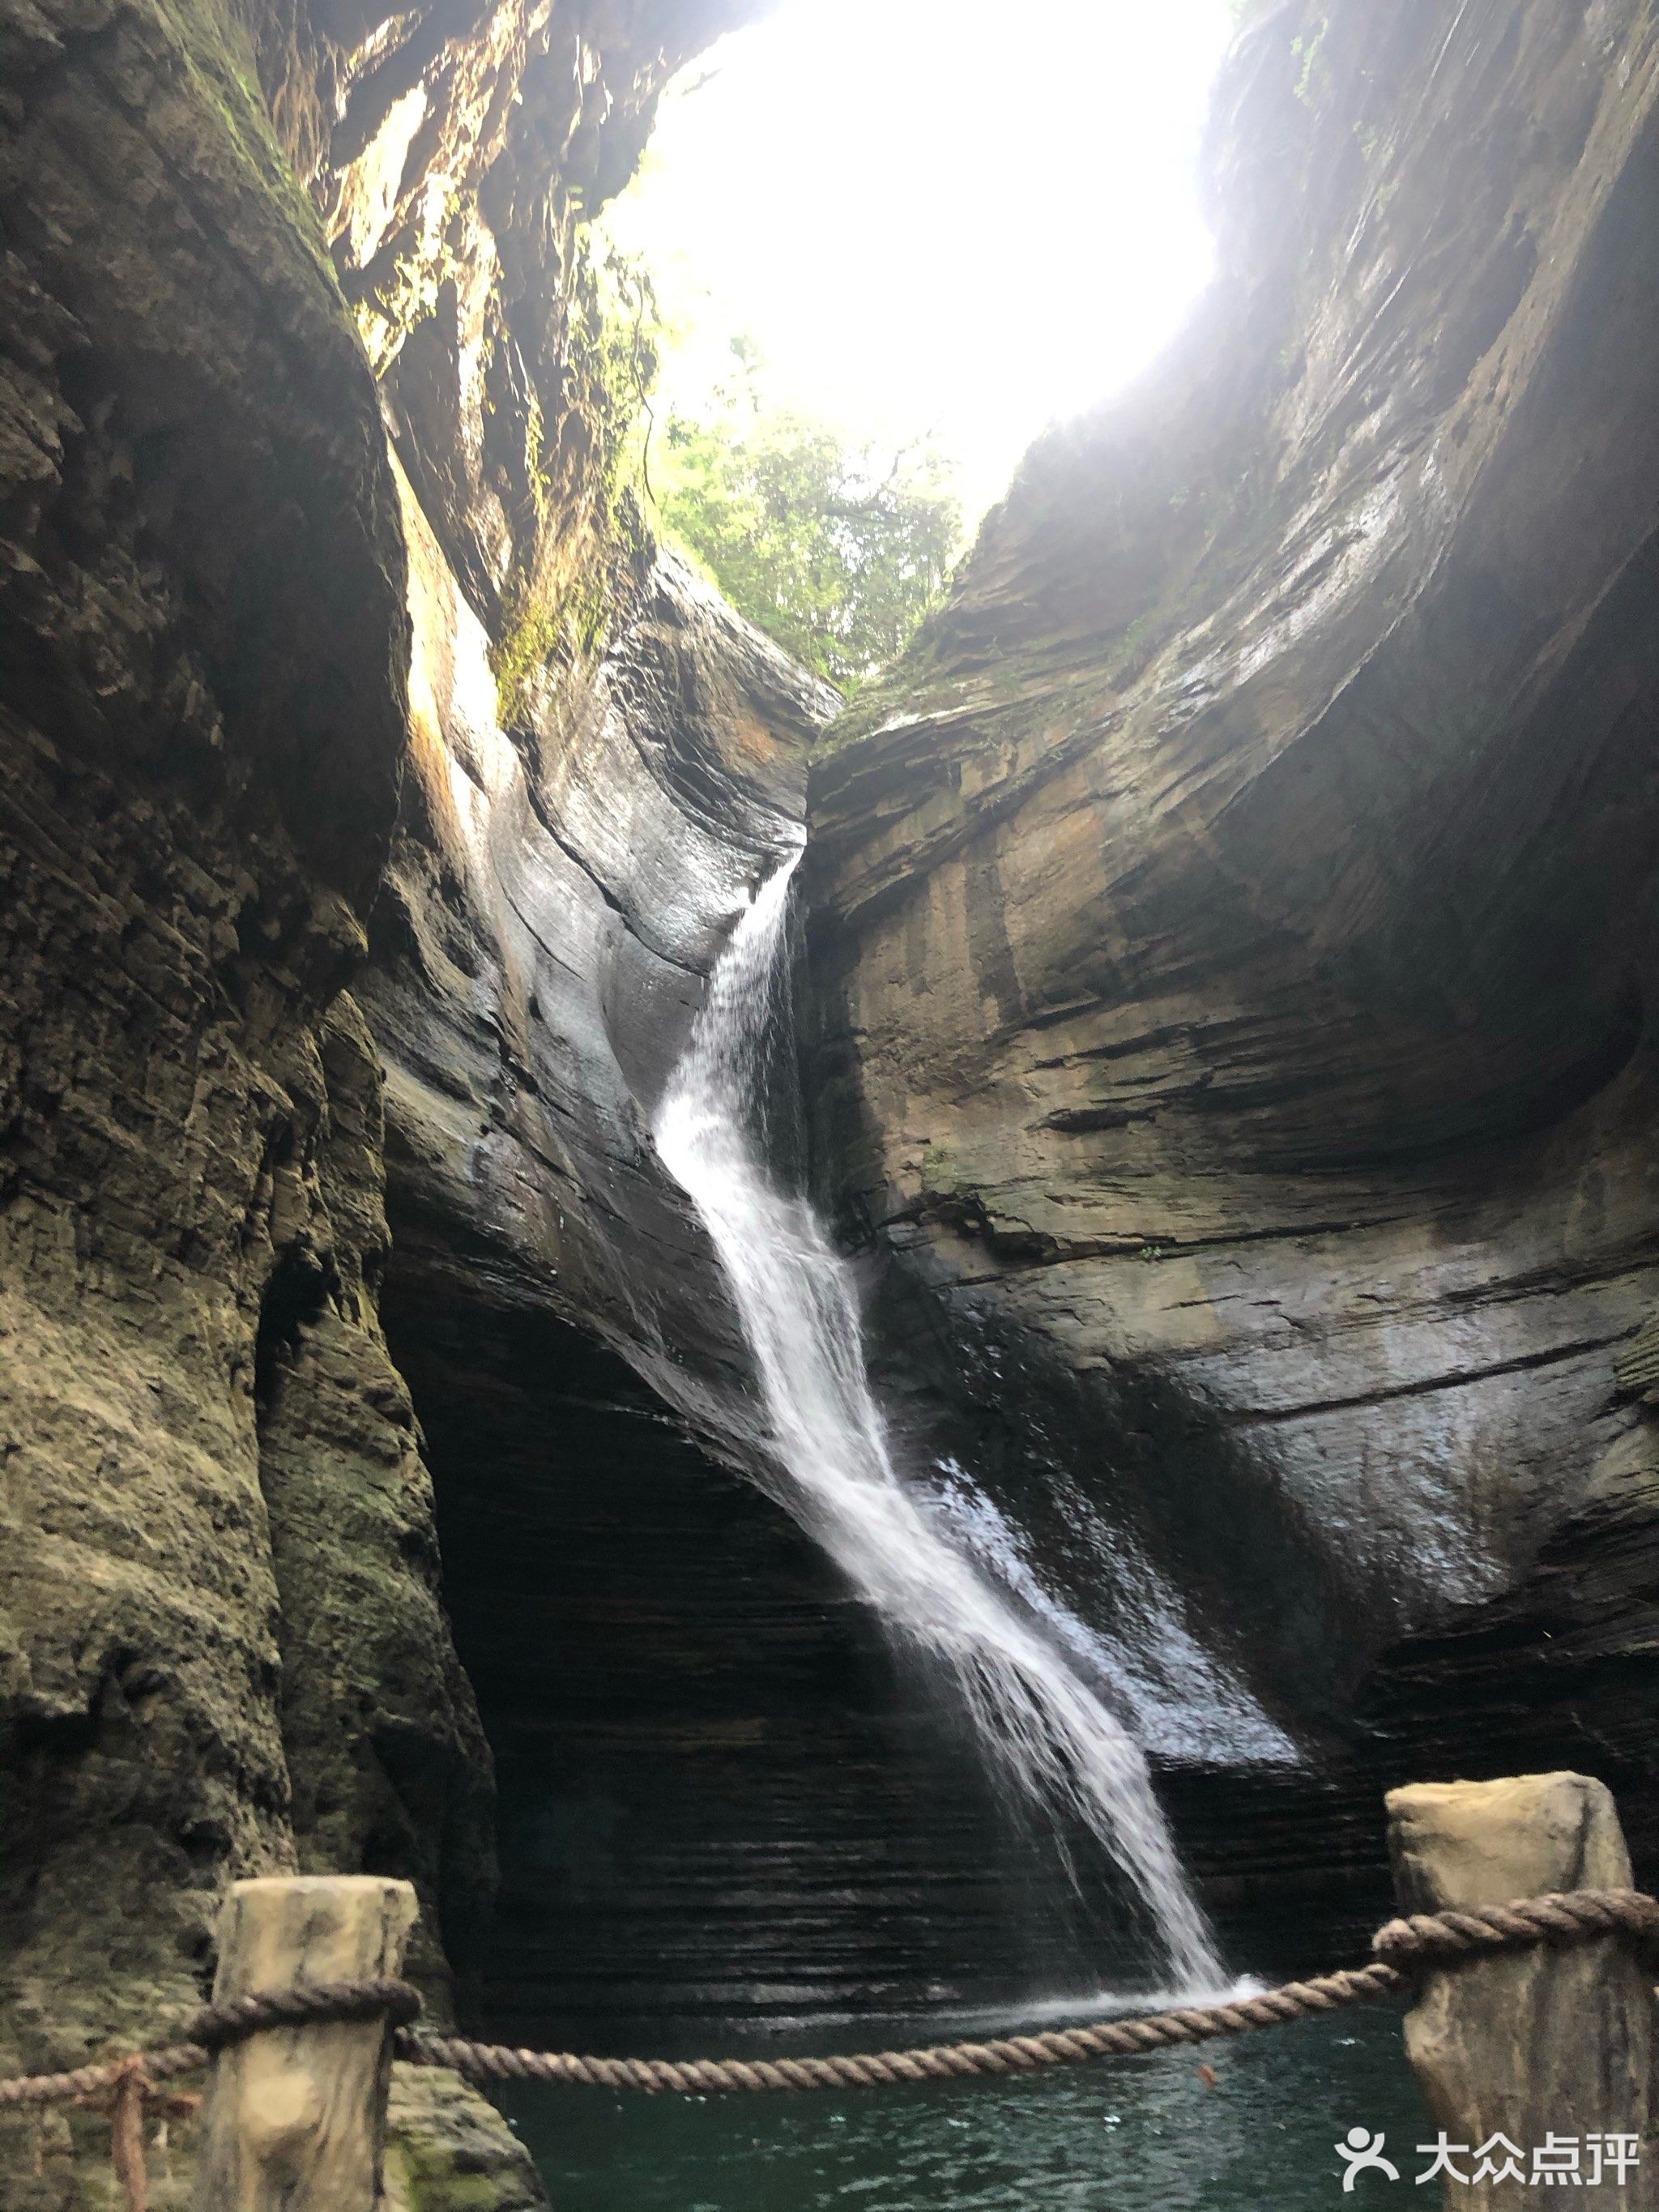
[(375, 797), (1229, 956), (222, 1647), (554, 899), (1232, 922)]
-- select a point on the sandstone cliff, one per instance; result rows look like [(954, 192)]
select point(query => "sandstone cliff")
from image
[(240, 248), (1231, 929), (1229, 952)]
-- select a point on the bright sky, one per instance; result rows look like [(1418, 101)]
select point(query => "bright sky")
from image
[(946, 214)]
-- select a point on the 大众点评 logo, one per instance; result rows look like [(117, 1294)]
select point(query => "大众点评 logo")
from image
[(1363, 2152), (1558, 2162)]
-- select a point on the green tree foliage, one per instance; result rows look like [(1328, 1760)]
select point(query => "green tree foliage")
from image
[(835, 549)]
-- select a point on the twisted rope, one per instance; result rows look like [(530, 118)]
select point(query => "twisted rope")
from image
[(950, 2062), (1576, 1915), (1405, 1949), (232, 2019), (88, 2084)]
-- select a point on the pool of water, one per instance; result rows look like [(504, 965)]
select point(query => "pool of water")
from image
[(1138, 2135)]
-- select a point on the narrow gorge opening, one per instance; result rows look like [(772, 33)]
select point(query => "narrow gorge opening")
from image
[(1023, 1779), (878, 250)]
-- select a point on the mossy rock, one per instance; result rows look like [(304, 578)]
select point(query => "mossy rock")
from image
[(450, 2150)]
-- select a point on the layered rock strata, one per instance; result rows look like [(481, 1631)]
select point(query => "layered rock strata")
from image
[(1230, 932), (724, 1809), (1228, 959), (237, 244)]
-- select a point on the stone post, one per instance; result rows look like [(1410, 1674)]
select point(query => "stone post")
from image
[(1534, 2044), (295, 2119)]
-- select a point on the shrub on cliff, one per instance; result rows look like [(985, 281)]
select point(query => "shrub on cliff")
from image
[(833, 548)]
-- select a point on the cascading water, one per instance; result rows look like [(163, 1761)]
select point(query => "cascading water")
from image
[(1040, 1725)]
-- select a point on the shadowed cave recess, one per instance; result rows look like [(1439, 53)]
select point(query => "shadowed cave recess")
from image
[(1222, 958), (720, 1807)]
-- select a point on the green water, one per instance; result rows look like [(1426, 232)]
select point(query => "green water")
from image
[(1139, 2135)]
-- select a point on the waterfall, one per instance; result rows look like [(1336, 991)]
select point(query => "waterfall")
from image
[(1041, 1727)]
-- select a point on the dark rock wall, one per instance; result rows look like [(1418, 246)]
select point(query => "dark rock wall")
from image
[(1231, 930), (722, 1806), (556, 894)]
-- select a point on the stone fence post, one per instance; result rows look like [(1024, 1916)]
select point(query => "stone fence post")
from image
[(295, 2119), (1538, 2043)]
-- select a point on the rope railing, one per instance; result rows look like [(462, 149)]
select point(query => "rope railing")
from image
[(1404, 1950), (215, 2026)]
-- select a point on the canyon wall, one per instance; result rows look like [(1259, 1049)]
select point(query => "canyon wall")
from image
[(376, 795), (1227, 976), (1231, 932), (247, 257)]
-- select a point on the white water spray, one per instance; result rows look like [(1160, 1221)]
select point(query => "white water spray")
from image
[(1040, 1723)]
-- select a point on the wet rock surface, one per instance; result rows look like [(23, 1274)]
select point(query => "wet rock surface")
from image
[(202, 740), (725, 1808), (554, 900)]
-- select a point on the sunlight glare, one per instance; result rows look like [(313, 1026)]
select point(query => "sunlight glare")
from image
[(934, 215)]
